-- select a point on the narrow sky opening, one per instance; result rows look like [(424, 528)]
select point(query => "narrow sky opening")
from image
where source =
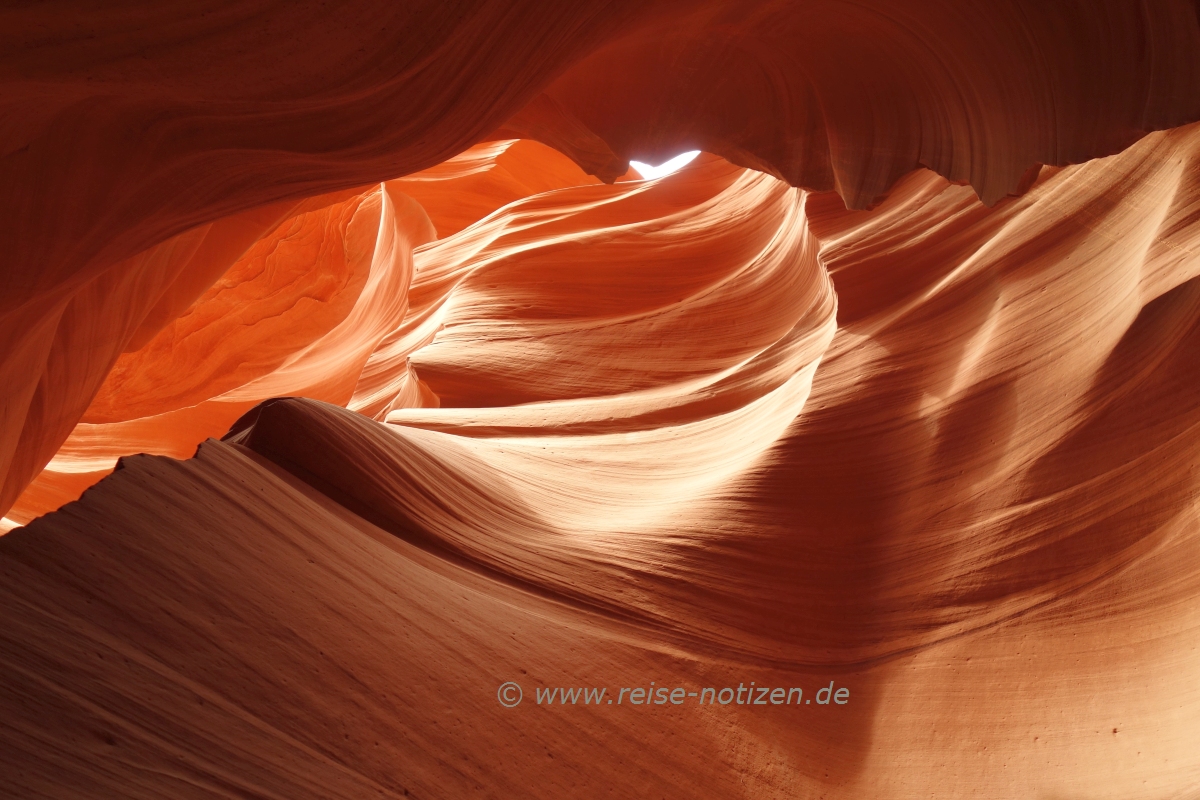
[(649, 172)]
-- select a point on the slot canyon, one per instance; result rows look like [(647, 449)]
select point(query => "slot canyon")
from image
[(378, 422)]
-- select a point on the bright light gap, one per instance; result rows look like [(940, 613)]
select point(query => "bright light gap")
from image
[(650, 172)]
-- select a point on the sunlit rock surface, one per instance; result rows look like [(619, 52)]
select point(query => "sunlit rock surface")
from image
[(863, 394), (298, 313)]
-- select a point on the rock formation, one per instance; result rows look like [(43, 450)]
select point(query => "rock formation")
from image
[(349, 374)]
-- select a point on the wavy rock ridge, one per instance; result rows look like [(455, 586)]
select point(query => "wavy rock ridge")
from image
[(912, 500)]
